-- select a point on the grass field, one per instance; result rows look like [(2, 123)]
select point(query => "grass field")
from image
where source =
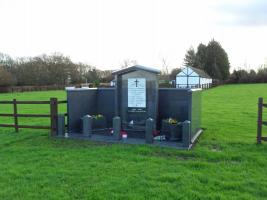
[(226, 163)]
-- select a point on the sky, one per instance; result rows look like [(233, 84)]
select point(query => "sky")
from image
[(104, 33)]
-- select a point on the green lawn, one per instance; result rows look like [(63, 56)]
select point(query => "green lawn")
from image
[(226, 163)]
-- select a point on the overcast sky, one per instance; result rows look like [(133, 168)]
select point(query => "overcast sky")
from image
[(105, 32)]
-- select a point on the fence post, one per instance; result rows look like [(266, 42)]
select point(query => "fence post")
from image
[(186, 138), (15, 108), (87, 125), (259, 129), (117, 127), (149, 130), (61, 125), (53, 115)]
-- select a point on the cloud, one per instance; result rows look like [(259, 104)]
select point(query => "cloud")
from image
[(243, 13)]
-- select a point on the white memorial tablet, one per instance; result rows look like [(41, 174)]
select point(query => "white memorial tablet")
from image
[(137, 92)]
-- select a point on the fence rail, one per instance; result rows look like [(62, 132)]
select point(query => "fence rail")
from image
[(53, 114), (30, 102), (203, 86), (260, 123)]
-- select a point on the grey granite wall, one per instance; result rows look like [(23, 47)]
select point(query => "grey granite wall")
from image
[(80, 102), (89, 101), (181, 104)]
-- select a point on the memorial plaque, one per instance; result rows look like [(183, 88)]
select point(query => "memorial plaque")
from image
[(136, 98), (136, 93)]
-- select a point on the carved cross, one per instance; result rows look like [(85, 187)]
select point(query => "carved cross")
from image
[(136, 81)]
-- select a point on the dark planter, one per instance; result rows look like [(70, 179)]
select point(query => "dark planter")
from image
[(173, 132), (99, 123)]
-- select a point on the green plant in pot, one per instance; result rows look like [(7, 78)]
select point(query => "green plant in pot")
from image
[(99, 121), (172, 129)]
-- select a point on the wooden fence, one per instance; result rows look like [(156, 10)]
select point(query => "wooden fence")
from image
[(12, 89), (260, 123), (9, 89), (53, 114)]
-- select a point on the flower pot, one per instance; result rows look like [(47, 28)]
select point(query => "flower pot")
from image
[(173, 132), (99, 123)]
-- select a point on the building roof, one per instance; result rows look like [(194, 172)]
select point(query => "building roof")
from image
[(200, 72), (134, 68)]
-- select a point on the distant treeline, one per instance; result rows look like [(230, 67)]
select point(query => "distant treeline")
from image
[(59, 70), (252, 76), (55, 69), (213, 59)]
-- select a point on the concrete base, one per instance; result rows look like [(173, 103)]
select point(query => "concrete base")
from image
[(111, 139)]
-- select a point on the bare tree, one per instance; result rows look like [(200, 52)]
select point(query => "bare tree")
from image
[(128, 63), (174, 72), (165, 67), (6, 78)]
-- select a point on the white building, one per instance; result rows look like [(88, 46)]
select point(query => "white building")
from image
[(191, 77), (112, 83)]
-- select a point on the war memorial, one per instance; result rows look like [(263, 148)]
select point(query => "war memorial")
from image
[(135, 111)]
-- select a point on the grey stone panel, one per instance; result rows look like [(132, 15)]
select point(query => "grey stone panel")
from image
[(80, 102), (106, 103), (173, 103), (195, 113), (181, 104)]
